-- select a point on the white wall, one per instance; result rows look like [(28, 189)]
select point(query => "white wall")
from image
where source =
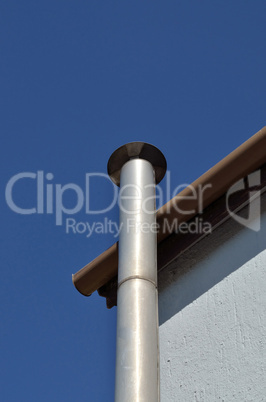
[(212, 311)]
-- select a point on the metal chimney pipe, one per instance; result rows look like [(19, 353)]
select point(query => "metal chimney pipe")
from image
[(137, 167)]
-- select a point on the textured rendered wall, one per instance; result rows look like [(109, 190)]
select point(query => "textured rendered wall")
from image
[(212, 312)]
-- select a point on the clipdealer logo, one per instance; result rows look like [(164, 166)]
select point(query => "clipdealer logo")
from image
[(51, 198), (251, 183)]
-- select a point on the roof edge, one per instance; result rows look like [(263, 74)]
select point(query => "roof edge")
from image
[(243, 160)]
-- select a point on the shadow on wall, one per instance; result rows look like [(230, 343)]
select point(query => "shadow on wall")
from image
[(207, 263)]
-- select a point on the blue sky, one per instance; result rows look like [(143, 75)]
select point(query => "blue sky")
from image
[(78, 79)]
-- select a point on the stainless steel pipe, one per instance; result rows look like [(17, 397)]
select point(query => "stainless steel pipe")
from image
[(137, 354)]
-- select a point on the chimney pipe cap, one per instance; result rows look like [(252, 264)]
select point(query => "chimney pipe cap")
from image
[(135, 150)]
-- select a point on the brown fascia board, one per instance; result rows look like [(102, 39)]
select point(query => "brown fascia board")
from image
[(245, 159)]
